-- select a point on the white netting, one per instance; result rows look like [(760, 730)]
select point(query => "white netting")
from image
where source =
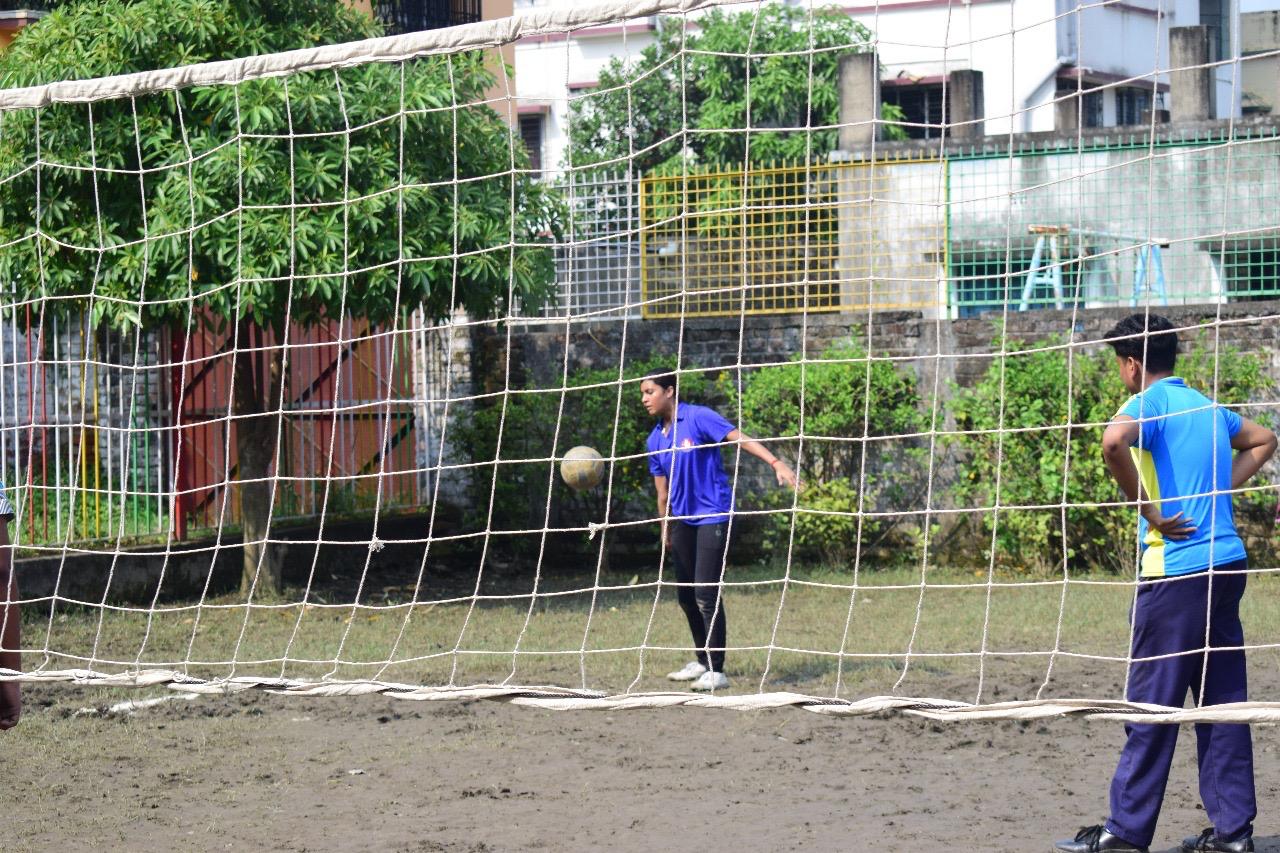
[(293, 348)]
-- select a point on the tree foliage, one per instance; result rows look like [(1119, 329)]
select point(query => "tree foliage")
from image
[(851, 412), (702, 80), (367, 191), (260, 195)]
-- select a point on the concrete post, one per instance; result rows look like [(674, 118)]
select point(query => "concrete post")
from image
[(859, 79), (1260, 70), (1066, 111), (1190, 81), (964, 90)]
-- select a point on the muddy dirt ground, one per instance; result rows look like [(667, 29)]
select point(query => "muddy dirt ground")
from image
[(262, 772)]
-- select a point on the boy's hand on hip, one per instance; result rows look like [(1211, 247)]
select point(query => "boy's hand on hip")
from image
[(1174, 527)]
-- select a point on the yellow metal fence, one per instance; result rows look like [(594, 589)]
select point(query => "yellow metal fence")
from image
[(782, 238)]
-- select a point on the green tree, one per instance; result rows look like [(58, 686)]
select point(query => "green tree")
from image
[(296, 199), (697, 79)]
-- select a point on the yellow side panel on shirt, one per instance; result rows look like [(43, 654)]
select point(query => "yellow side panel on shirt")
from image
[(1153, 556)]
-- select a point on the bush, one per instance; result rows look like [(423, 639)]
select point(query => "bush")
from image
[(528, 463), (836, 388), (827, 530), (1030, 458)]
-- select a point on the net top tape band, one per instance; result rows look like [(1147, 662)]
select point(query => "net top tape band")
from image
[(397, 48)]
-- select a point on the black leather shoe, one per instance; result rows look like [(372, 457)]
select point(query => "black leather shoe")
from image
[(1209, 841), (1096, 839)]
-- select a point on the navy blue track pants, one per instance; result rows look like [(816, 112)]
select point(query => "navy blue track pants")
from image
[(1169, 617)]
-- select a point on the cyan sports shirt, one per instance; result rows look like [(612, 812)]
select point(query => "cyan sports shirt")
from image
[(1183, 455)]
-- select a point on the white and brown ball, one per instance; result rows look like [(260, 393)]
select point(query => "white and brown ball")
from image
[(582, 468)]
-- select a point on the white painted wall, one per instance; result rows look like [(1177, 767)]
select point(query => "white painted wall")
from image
[(1012, 44), (546, 68)]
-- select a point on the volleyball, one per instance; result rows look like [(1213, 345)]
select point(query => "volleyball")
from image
[(582, 468)]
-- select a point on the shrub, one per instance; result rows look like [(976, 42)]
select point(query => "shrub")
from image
[(1031, 456), (844, 400)]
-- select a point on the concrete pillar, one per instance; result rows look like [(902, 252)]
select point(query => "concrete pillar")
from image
[(501, 62), (1190, 82), (859, 79), (964, 89), (1066, 111), (1260, 70)]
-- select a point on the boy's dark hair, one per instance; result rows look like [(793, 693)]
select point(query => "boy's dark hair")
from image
[(1149, 338)]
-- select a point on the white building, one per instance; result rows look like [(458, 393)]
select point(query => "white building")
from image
[(1027, 50)]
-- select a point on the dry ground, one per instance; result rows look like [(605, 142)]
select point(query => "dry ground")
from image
[(265, 772), (275, 773)]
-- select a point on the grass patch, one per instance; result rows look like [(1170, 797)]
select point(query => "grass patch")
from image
[(811, 632)]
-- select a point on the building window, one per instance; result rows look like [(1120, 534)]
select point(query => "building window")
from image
[(1214, 14), (1091, 109), (411, 16), (1131, 103), (531, 133), (922, 105), (1250, 268)]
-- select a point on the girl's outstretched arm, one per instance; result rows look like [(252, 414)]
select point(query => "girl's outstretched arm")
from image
[(786, 476)]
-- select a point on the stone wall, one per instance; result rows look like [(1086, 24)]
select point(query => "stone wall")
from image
[(537, 350), (186, 570)]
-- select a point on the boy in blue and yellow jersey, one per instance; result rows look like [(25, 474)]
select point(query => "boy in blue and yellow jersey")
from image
[(1179, 454)]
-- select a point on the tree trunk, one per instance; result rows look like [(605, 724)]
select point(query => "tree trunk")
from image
[(257, 426)]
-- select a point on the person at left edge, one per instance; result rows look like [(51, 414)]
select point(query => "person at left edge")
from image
[(695, 501), (10, 622)]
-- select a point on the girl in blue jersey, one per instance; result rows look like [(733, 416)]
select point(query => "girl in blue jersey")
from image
[(695, 501)]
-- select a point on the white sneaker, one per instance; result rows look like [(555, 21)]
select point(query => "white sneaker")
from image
[(688, 672), (711, 680)]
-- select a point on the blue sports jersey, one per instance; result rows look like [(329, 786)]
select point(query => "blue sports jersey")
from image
[(1185, 449), (687, 456)]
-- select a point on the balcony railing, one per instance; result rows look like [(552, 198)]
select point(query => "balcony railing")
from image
[(407, 16)]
